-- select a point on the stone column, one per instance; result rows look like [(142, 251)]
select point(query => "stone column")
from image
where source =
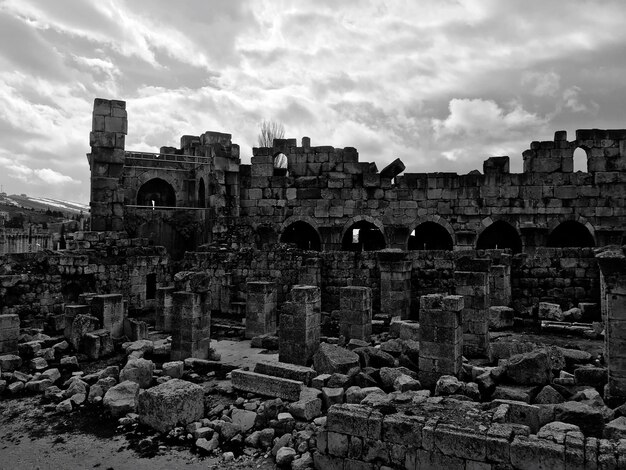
[(355, 320), (191, 326), (260, 309), (441, 337), (612, 263), (106, 161), (471, 280), (395, 283), (9, 333), (299, 332), (164, 308), (109, 309), (310, 274)]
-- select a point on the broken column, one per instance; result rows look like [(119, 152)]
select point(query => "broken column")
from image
[(109, 309), (612, 263), (191, 326), (164, 308), (441, 337), (471, 280), (260, 309), (299, 332), (106, 161), (355, 316), (395, 283), (9, 333)]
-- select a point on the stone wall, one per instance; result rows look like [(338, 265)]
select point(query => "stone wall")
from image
[(21, 241), (36, 286), (357, 436)]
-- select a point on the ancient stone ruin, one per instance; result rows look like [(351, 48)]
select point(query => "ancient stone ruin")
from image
[(408, 320)]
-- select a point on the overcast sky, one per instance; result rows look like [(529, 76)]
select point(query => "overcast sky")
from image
[(440, 84)]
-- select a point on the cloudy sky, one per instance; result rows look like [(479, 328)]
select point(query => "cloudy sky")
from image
[(440, 84)]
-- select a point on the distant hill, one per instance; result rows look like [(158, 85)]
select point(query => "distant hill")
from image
[(15, 203)]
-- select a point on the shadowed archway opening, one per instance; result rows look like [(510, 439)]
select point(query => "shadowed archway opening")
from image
[(363, 236), (430, 236), (570, 234), (301, 234), (499, 235), (156, 192)]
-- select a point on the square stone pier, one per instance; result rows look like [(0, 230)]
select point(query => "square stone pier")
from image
[(299, 331)]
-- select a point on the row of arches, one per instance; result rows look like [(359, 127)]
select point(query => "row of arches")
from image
[(365, 235)]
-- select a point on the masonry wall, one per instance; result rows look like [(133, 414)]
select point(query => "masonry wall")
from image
[(36, 286)]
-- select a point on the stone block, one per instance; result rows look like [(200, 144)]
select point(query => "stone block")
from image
[(266, 385), (286, 371), (122, 398), (173, 403), (355, 420)]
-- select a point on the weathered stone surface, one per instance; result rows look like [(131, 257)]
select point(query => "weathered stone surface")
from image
[(285, 456), (330, 358), (548, 311), (139, 371), (373, 357), (355, 420), (244, 419), (589, 419), (10, 362), (122, 398), (447, 385), (532, 368), (557, 431), (173, 403), (500, 317), (174, 369), (549, 396), (616, 429), (266, 385), (285, 371)]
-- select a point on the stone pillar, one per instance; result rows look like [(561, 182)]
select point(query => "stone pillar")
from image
[(355, 320), (612, 263), (191, 326), (9, 333), (395, 283), (164, 308), (109, 309), (472, 282), (260, 309), (310, 274), (441, 337), (299, 332), (106, 161), (500, 285)]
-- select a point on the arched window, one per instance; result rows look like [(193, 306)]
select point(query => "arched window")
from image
[(156, 192), (301, 234), (570, 234), (580, 160), (280, 164), (499, 235), (201, 193), (430, 236), (363, 236)]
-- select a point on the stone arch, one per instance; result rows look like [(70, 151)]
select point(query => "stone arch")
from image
[(201, 193), (301, 233), (431, 222), (157, 190), (498, 233), (573, 231), (280, 164), (371, 234), (580, 159)]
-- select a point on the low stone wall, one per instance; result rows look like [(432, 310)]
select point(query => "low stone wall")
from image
[(452, 437), (37, 286)]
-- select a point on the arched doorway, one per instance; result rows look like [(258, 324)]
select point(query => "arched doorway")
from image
[(156, 192), (301, 234), (499, 235), (201, 193), (363, 236), (430, 236), (570, 234)]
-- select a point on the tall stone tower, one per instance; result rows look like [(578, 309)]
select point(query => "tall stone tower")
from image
[(106, 161)]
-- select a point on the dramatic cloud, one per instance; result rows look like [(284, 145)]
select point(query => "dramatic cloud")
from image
[(441, 85)]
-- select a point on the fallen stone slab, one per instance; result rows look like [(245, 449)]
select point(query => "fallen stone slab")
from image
[(589, 419), (331, 358), (139, 371), (616, 429), (286, 371), (532, 368), (173, 403), (267, 385), (549, 311), (122, 398)]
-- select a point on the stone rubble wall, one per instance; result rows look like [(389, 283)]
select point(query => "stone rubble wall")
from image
[(357, 436), (37, 286)]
